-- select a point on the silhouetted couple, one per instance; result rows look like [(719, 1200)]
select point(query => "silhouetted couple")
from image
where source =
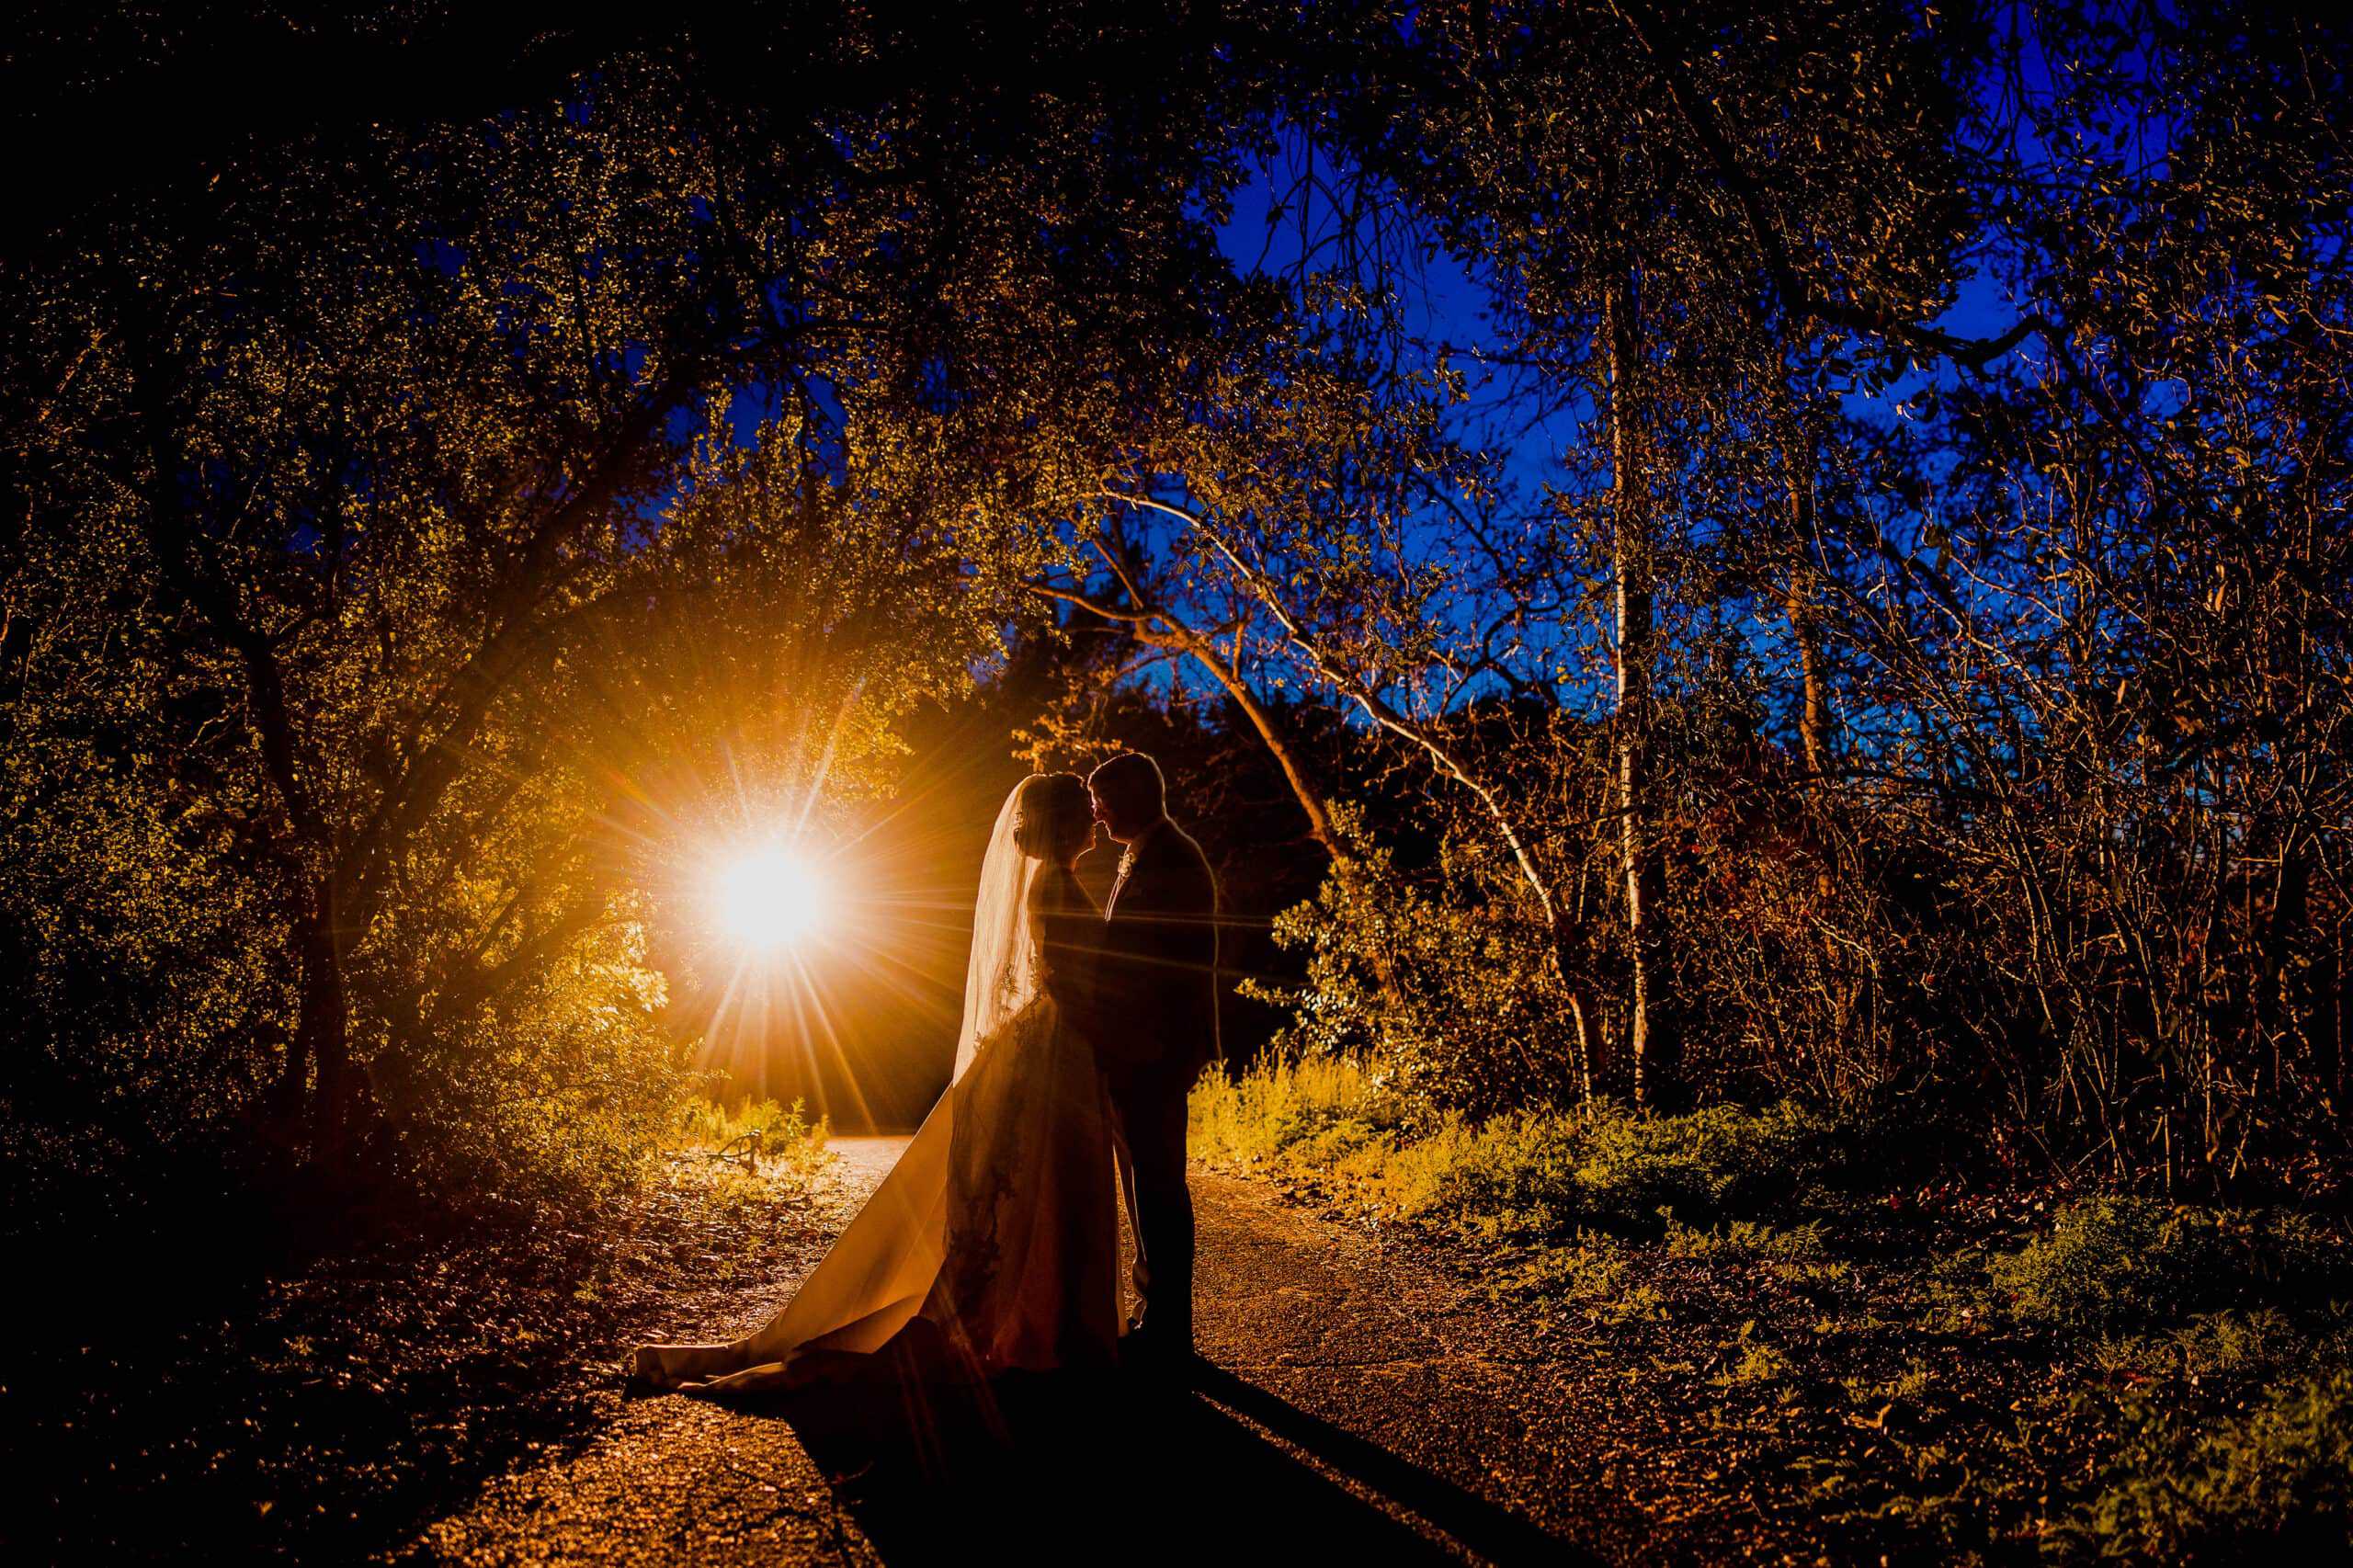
[(994, 1242)]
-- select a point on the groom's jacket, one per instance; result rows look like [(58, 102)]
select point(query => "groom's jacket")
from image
[(1156, 985)]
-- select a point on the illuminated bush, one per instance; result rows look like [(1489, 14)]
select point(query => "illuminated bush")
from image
[(2120, 1261)]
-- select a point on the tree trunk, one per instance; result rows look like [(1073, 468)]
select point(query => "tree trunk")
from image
[(318, 1057), (1805, 629), (1800, 599), (1651, 1044), (322, 1031)]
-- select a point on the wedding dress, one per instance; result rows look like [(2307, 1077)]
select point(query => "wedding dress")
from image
[(997, 1226)]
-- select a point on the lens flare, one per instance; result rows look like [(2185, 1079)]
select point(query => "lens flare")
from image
[(770, 898)]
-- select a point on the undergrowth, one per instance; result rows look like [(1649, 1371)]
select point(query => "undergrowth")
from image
[(1526, 1176), (1927, 1375)]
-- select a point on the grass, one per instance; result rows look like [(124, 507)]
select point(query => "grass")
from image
[(784, 1132), (742, 1149), (2119, 1262), (1808, 1359), (1530, 1177), (2274, 1483)]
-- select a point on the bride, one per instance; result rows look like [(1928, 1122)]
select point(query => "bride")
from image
[(996, 1231)]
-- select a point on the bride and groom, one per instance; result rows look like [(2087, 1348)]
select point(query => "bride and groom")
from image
[(993, 1244)]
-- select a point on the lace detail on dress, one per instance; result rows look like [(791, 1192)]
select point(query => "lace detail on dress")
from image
[(997, 1127)]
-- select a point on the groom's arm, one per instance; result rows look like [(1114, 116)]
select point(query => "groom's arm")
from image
[(1196, 931)]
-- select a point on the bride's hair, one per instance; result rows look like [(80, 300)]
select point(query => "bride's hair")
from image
[(1051, 815)]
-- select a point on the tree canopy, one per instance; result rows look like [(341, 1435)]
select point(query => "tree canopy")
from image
[(1863, 611)]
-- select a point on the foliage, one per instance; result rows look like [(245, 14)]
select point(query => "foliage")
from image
[(1748, 1239), (2129, 1379), (1737, 676), (709, 1123), (1451, 996), (1518, 1177), (1258, 1114), (2131, 1263), (787, 1142), (1631, 1170), (2275, 1482), (1824, 592), (436, 527)]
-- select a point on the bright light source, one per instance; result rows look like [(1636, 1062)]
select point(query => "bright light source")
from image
[(770, 898)]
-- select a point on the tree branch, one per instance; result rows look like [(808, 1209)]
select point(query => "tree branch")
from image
[(1973, 354)]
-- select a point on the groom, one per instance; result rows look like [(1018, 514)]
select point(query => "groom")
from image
[(1156, 1004)]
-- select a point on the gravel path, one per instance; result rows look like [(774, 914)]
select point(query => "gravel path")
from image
[(1358, 1401)]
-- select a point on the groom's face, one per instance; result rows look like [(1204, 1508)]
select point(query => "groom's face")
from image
[(1107, 811)]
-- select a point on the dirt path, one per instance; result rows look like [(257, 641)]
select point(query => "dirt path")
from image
[(1358, 1401)]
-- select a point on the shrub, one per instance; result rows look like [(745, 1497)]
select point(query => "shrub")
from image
[(2113, 1263), (1536, 1175), (1722, 1161), (787, 1138), (1441, 981), (2273, 1483), (1330, 1119), (1281, 1103)]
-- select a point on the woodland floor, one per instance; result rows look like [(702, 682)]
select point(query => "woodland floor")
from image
[(1365, 1392)]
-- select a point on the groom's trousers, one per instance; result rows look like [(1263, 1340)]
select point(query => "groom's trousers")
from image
[(1148, 1116)]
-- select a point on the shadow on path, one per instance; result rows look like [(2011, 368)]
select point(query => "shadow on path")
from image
[(1078, 1465), (1487, 1530)]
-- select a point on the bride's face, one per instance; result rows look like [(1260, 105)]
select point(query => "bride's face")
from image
[(1068, 835)]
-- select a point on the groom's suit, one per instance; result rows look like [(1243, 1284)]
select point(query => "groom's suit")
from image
[(1156, 1028)]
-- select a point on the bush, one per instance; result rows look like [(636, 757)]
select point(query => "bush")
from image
[(2274, 1483), (1329, 1119), (1708, 1165), (1441, 982), (1539, 1175), (1279, 1104), (786, 1134), (2113, 1263)]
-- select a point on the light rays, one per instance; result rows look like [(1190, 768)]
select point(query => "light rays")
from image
[(810, 882), (834, 945), (770, 898)]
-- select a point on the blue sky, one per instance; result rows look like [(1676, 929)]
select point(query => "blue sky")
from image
[(1442, 304)]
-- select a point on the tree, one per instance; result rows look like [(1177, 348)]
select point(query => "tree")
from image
[(381, 526)]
